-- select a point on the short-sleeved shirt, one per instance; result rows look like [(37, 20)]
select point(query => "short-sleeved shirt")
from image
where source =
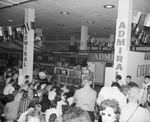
[(85, 98), (112, 93), (139, 115)]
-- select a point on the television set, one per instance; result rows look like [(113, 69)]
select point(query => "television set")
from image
[(64, 71), (57, 77), (63, 79), (58, 71), (69, 80), (76, 81), (85, 71), (71, 73), (77, 73)]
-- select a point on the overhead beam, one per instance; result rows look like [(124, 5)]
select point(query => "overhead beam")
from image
[(15, 4)]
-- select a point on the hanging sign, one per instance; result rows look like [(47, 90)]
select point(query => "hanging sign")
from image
[(101, 57)]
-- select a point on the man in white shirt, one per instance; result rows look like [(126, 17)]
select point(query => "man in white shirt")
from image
[(145, 84), (9, 88), (22, 117), (112, 92), (86, 97), (132, 112), (51, 110)]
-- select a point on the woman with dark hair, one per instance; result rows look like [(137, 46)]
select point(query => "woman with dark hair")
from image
[(110, 110)]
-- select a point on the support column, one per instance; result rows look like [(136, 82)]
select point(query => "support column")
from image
[(112, 38), (28, 43), (122, 40), (84, 37), (72, 40)]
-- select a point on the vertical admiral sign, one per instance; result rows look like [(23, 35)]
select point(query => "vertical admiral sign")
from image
[(121, 55), (25, 45)]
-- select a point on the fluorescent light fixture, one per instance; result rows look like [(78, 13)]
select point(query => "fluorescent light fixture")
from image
[(89, 22), (10, 20), (64, 13), (109, 6)]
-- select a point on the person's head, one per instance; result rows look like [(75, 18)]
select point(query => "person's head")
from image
[(34, 116), (134, 94), (147, 79), (11, 81), (128, 79), (27, 82), (54, 104), (17, 87), (133, 84), (58, 97), (125, 89), (27, 77), (37, 107), (31, 85), (25, 94), (118, 77), (76, 114), (29, 109), (110, 110), (87, 80), (115, 84), (148, 94), (9, 98), (52, 117)]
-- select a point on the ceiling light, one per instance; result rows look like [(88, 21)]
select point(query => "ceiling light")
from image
[(109, 6), (64, 13), (10, 20), (60, 24), (89, 22)]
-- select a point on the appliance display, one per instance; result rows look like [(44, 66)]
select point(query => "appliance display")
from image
[(64, 72), (77, 73), (63, 79), (58, 71), (76, 81), (70, 76), (69, 80)]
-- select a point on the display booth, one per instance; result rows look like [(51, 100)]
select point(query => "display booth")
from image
[(98, 62), (71, 76)]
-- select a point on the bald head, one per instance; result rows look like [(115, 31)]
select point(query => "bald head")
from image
[(134, 94), (87, 80)]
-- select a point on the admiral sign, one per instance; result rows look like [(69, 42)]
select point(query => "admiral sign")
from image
[(101, 57), (120, 47), (25, 44)]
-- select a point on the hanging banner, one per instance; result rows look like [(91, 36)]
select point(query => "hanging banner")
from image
[(136, 16), (147, 20), (1, 31)]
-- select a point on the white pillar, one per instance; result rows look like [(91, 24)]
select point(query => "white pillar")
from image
[(28, 43), (72, 40), (84, 37), (112, 38), (122, 40)]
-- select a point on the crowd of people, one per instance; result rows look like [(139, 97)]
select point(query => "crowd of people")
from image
[(44, 100)]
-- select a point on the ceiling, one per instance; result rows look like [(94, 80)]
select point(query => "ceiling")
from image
[(56, 26)]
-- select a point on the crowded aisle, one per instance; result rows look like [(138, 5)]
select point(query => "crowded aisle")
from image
[(45, 100)]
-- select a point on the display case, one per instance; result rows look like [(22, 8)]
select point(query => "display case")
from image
[(71, 77)]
